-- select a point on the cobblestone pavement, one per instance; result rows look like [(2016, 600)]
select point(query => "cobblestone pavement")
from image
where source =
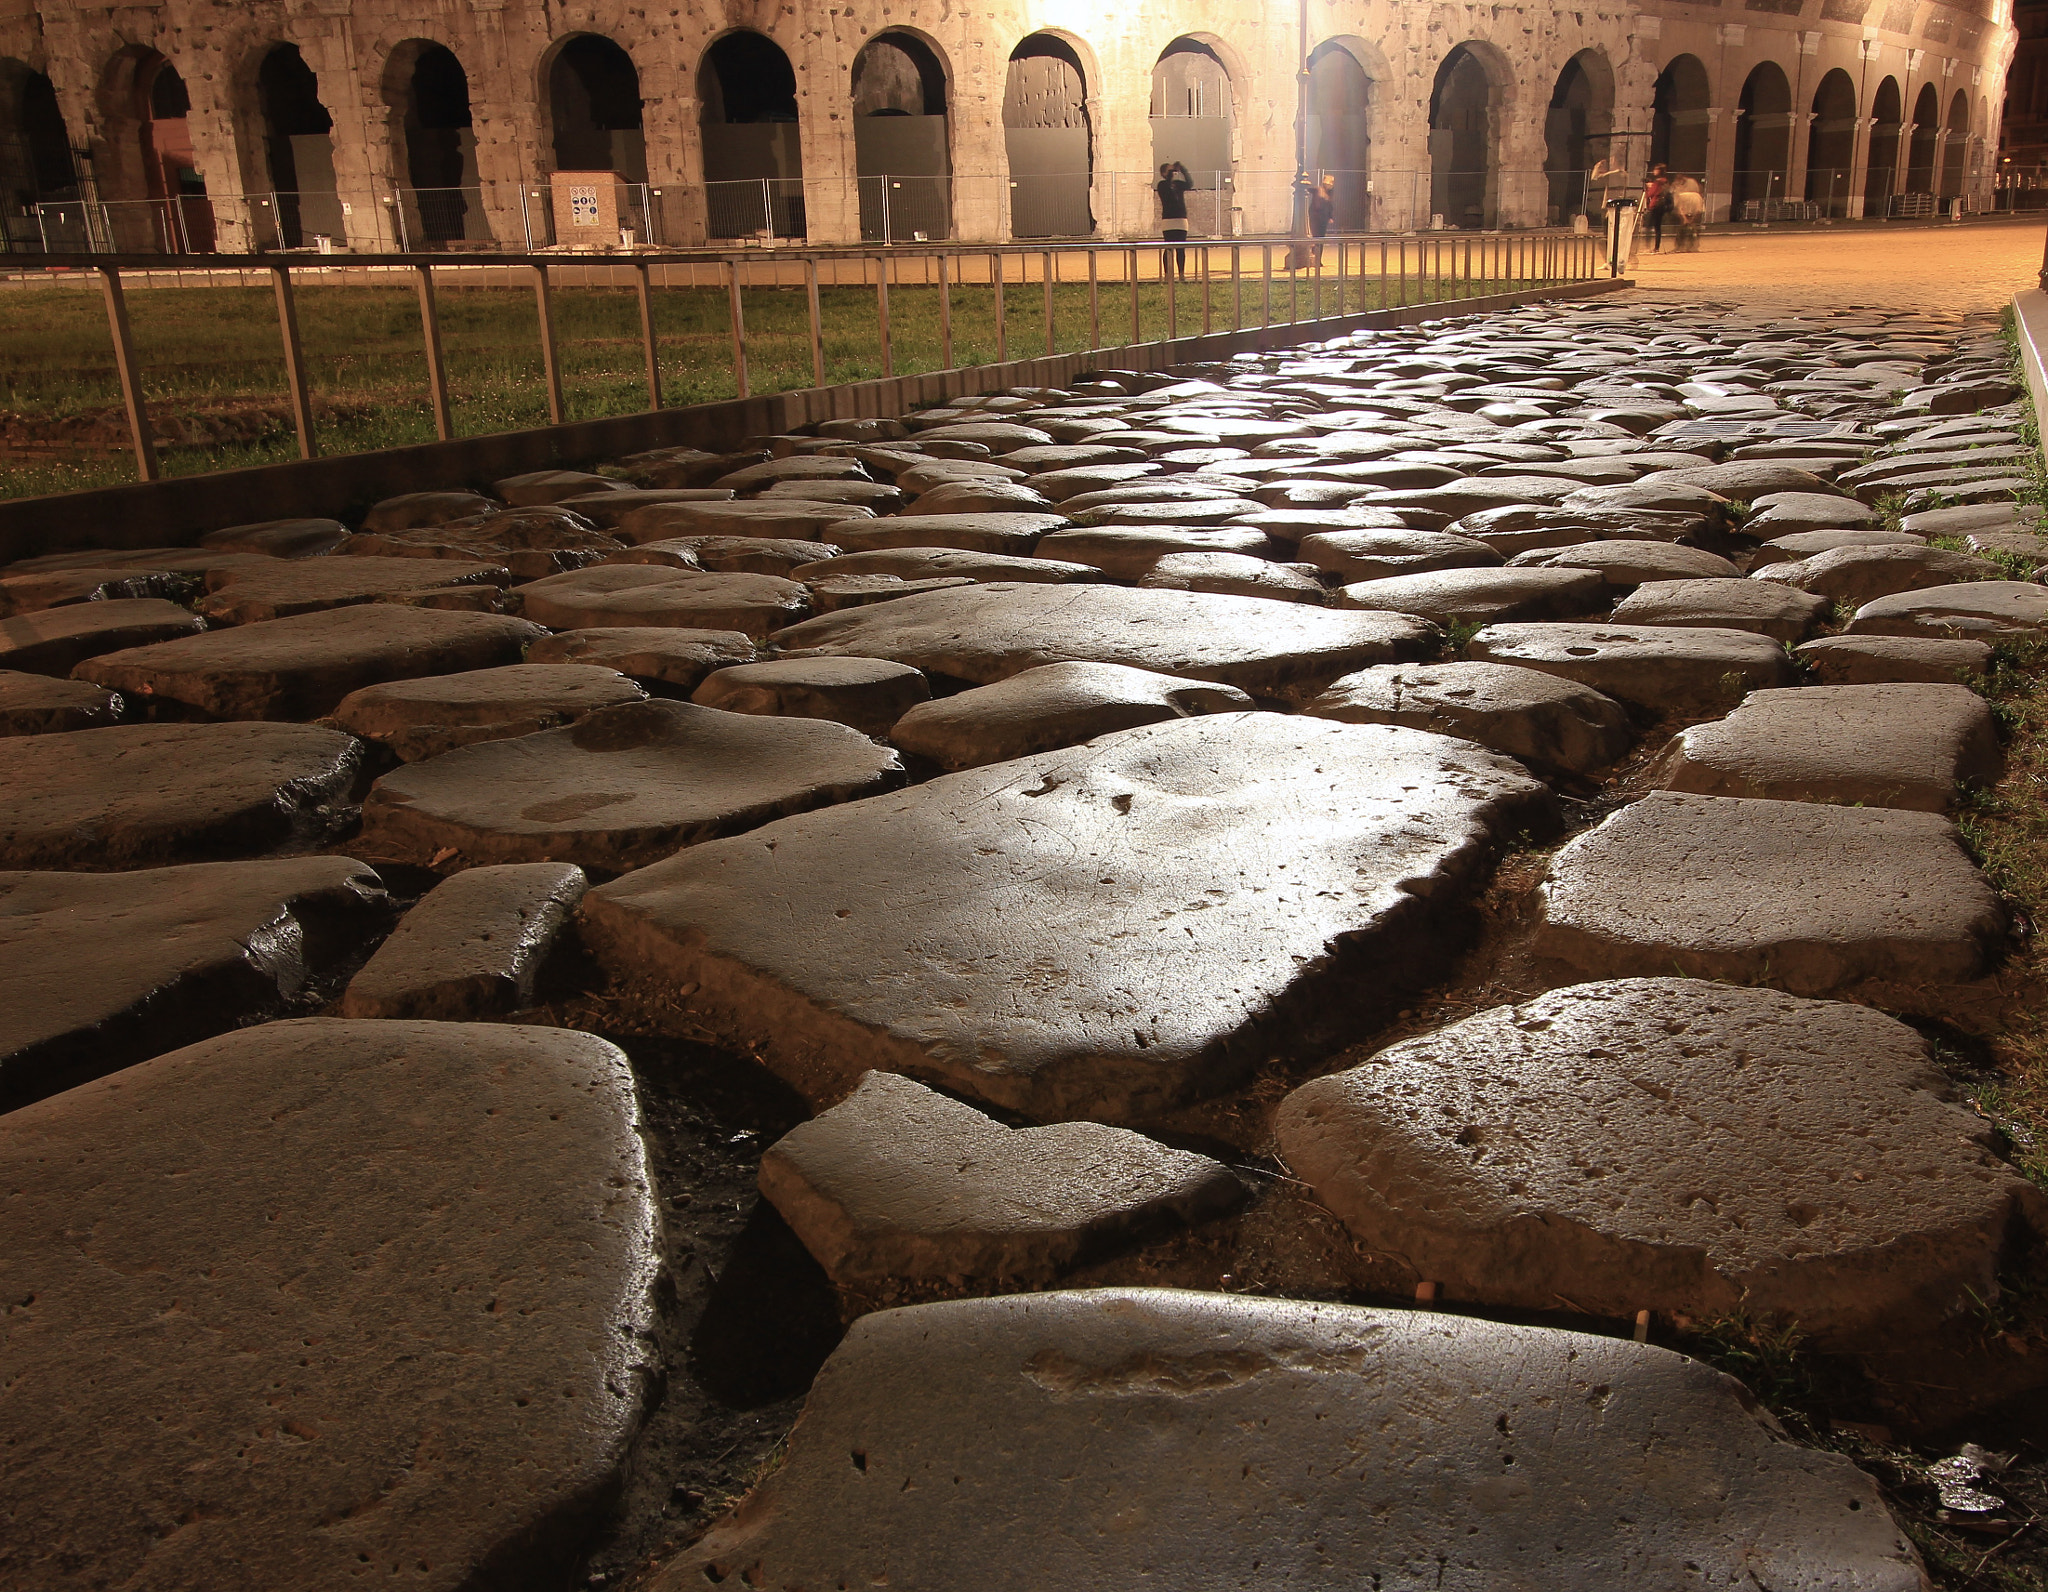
[(1037, 933), (1975, 266)]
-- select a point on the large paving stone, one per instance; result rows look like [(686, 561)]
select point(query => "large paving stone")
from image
[(1912, 746), (1664, 670), (676, 660), (143, 795), (1054, 705), (423, 718), (298, 538), (1631, 563), (1482, 596), (866, 694), (1853, 576), (989, 632), (1235, 575), (37, 704), (412, 509), (474, 948), (1807, 897), (777, 516), (1359, 555), (57, 640), (1790, 513), (1121, 1438), (898, 1181), (1104, 932), (300, 668), (1012, 533), (1548, 722), (929, 563), (1670, 1145), (99, 971), (622, 788), (325, 1302), (1880, 660), (1985, 608), (1126, 552), (728, 555), (58, 588), (609, 596), (1769, 609)]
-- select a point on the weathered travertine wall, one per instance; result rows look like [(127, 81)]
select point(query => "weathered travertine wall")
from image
[(1768, 100)]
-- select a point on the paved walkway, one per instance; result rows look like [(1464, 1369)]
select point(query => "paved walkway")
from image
[(1976, 266)]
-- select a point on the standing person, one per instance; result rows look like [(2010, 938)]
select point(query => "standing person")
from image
[(1690, 207), (1172, 188), (1322, 205), (1657, 206)]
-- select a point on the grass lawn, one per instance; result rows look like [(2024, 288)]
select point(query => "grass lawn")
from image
[(211, 363)]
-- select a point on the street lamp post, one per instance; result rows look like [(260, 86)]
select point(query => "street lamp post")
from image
[(1298, 253)]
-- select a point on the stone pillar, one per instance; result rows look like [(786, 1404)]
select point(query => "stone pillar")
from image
[(1800, 144), (1859, 166), (364, 161), (825, 124), (1720, 183)]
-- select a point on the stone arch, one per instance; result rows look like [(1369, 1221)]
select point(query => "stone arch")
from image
[(1193, 112), (298, 150), (1467, 109), (35, 155), (1576, 131), (1956, 147), (426, 92), (1049, 136), (1763, 140), (902, 143), (591, 107), (1831, 150), (145, 106), (1681, 117), (753, 151), (1924, 143), (1882, 177), (1340, 99)]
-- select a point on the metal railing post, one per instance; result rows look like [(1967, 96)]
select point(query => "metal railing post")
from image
[(1094, 301), (294, 359), (130, 373), (550, 361), (1236, 286), (1170, 268), (1208, 265), (1131, 274), (1383, 274), (738, 316), (437, 364), (643, 286), (1051, 338), (1266, 276), (945, 315), (995, 266), (817, 318), (882, 305)]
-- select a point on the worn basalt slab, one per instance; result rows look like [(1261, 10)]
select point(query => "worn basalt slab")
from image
[(1631, 563), (58, 588), (145, 795), (800, 518), (989, 632), (411, 509), (1676, 1146), (423, 718), (1670, 669), (610, 596), (474, 948), (1880, 660), (673, 660), (898, 1181), (728, 555), (100, 970), (1103, 932), (300, 668), (323, 1301), (866, 694), (1054, 705), (1483, 596), (1547, 722), (37, 704), (1360, 555), (1126, 552), (1911, 746), (246, 594), (1010, 533), (1206, 1441), (297, 538), (57, 640), (1853, 576), (1809, 898), (929, 563), (1777, 611), (624, 787), (1236, 575), (1985, 608)]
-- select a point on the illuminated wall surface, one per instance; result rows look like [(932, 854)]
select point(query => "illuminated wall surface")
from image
[(192, 125)]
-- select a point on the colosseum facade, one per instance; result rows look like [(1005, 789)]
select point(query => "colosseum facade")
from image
[(189, 124)]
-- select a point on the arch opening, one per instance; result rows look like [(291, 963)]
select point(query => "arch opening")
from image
[(1463, 179), (594, 109), (1192, 112), (1921, 148), (1680, 118), (152, 113), (298, 149), (1763, 143), (1882, 176), (1575, 135), (1831, 149), (1955, 146), (901, 139), (36, 162), (428, 92), (753, 152), (1340, 132), (1049, 140)]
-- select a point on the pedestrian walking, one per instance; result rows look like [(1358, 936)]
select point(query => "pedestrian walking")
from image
[(1172, 188), (1657, 206), (1322, 206), (1689, 208)]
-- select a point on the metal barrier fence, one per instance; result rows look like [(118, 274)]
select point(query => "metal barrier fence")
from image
[(1287, 282)]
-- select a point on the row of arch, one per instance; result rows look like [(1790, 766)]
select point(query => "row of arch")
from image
[(900, 95)]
